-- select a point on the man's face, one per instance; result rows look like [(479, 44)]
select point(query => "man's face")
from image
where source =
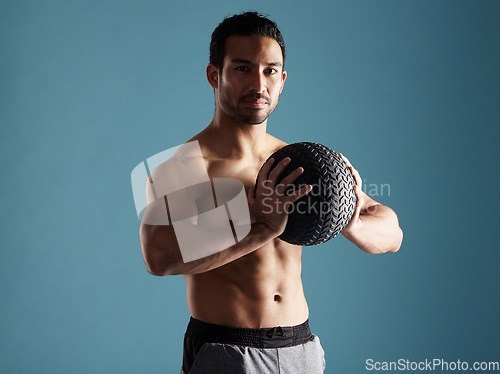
[(252, 78)]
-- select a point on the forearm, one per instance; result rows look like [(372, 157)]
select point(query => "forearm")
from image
[(163, 257), (258, 236), (376, 231)]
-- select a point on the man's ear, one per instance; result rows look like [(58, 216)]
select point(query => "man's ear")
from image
[(213, 76), (283, 80)]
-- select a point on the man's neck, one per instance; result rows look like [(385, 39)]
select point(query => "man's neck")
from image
[(237, 140)]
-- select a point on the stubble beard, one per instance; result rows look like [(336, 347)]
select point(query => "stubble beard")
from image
[(255, 117)]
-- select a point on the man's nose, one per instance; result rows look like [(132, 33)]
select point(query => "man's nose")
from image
[(258, 82)]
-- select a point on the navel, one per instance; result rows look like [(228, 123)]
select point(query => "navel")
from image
[(277, 298)]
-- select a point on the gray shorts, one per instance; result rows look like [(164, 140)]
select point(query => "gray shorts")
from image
[(213, 349)]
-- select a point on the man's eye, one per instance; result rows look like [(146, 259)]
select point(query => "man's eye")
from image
[(271, 71), (242, 68)]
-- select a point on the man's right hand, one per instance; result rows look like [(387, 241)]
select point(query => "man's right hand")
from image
[(268, 203)]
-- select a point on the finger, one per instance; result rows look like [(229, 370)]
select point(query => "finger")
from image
[(345, 159), (299, 194), (357, 208), (288, 180), (263, 175), (278, 169), (286, 206), (357, 177), (359, 202), (264, 171), (250, 194)]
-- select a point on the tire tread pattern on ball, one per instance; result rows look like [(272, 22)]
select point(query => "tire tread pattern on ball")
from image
[(333, 185)]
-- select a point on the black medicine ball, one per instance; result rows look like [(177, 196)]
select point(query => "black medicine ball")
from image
[(328, 207)]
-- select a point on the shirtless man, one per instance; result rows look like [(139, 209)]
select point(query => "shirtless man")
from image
[(249, 313)]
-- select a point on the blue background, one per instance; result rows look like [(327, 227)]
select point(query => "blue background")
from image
[(408, 90)]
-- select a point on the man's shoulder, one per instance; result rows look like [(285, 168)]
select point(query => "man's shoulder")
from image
[(181, 163), (275, 143)]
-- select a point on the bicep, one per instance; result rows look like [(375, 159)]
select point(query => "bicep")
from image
[(167, 198)]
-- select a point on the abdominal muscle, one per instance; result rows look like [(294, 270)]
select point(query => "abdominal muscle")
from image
[(262, 289)]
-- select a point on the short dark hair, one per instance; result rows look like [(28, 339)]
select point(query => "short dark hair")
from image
[(244, 24)]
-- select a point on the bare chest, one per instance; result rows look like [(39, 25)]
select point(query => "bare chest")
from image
[(245, 172)]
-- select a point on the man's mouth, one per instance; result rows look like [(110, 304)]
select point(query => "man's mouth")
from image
[(254, 102)]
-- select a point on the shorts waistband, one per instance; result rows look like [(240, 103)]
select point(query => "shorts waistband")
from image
[(274, 337)]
